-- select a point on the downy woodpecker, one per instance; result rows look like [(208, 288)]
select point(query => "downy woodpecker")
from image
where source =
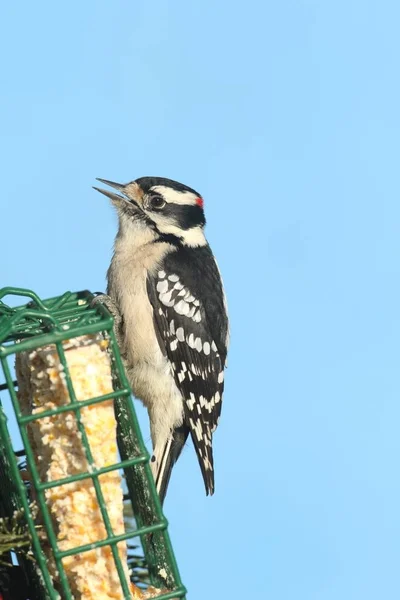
[(166, 295)]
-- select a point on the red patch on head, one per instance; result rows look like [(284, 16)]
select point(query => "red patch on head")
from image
[(200, 202)]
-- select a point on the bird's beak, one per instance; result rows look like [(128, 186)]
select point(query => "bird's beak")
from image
[(115, 198)]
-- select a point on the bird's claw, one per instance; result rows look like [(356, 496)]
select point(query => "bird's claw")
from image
[(113, 309)]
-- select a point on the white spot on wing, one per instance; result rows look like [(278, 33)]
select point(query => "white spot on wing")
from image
[(206, 348), (180, 334), (197, 317), (162, 286), (220, 377), (194, 369), (182, 307), (191, 312), (166, 298), (170, 303), (173, 277), (161, 274), (198, 344), (190, 403)]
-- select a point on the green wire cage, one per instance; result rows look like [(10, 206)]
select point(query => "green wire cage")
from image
[(37, 324)]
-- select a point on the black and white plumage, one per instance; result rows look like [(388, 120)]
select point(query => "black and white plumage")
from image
[(165, 287)]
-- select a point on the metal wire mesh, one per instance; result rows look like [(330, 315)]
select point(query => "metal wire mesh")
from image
[(38, 324)]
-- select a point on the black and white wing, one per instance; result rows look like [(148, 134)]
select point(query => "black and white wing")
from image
[(192, 328)]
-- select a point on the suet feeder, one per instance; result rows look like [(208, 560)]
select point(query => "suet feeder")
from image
[(40, 561)]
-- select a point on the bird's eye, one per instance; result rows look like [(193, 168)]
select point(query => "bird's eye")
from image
[(157, 202)]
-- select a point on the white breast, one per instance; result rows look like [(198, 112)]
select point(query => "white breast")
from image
[(148, 370)]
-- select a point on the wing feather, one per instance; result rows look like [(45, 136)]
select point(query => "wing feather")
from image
[(186, 336)]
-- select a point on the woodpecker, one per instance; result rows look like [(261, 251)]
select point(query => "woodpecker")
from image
[(166, 295)]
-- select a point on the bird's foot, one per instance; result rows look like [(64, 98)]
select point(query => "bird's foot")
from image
[(113, 309)]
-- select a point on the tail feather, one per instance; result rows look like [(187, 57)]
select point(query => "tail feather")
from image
[(204, 453), (165, 459)]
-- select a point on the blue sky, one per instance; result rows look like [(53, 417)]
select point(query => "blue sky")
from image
[(285, 116)]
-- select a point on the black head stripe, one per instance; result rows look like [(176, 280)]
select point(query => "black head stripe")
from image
[(185, 215), (146, 183)]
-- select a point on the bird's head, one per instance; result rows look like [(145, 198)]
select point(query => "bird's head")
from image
[(173, 211)]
